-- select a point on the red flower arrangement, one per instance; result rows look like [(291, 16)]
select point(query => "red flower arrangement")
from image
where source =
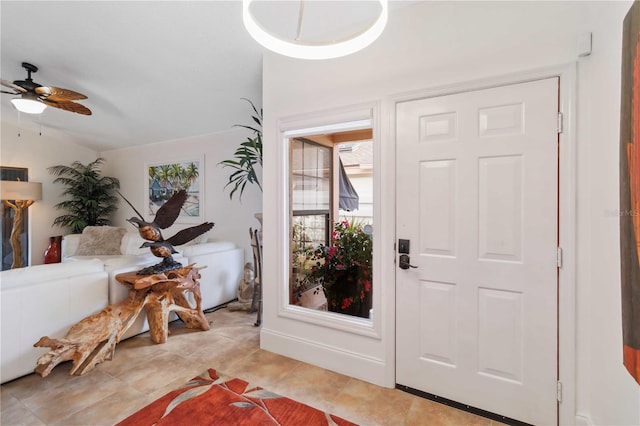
[(345, 269)]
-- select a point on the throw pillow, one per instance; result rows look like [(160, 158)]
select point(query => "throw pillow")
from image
[(100, 241), (200, 239)]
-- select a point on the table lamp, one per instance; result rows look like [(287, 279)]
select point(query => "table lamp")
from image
[(18, 195)]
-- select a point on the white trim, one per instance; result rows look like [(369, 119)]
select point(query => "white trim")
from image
[(583, 420), (567, 202), (387, 221), (567, 226), (348, 118), (329, 357)]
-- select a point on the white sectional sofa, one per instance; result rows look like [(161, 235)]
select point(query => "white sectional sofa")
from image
[(224, 269), (45, 300), (222, 261)]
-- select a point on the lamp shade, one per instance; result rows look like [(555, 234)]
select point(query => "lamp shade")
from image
[(18, 190), (28, 106)]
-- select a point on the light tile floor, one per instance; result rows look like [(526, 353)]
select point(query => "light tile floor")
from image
[(142, 371)]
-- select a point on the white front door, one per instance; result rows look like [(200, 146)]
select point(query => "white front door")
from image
[(477, 177)]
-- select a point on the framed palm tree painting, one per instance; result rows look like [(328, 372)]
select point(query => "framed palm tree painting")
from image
[(165, 179)]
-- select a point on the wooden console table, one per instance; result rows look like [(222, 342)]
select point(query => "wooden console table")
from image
[(93, 340)]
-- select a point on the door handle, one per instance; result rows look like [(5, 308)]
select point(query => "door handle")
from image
[(405, 262)]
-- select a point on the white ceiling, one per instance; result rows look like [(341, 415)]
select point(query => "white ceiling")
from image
[(152, 70)]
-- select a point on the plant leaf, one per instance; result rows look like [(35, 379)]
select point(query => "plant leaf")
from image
[(246, 156), (185, 396), (262, 394), (243, 404)]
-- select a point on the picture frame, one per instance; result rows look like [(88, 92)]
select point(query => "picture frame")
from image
[(163, 179), (629, 191), (6, 252)]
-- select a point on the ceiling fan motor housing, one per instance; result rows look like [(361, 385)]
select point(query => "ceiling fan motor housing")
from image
[(29, 67), (28, 84)]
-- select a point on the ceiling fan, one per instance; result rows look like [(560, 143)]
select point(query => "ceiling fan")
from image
[(34, 98)]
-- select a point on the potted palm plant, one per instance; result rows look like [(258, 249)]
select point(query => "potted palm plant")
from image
[(246, 157), (91, 199)]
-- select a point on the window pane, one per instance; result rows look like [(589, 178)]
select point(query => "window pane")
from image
[(331, 221)]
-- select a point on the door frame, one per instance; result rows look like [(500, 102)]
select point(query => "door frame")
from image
[(567, 74)]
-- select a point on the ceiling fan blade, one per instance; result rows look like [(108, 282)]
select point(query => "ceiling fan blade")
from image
[(57, 94), (68, 106), (15, 87)]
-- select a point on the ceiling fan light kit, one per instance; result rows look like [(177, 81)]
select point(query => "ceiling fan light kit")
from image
[(28, 104), (307, 50), (34, 98)]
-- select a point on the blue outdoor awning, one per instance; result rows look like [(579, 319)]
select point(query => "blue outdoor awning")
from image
[(349, 199)]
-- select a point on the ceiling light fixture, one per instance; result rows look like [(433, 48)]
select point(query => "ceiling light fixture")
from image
[(28, 104), (309, 50)]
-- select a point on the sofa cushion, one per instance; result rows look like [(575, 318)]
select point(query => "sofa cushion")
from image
[(112, 262), (100, 240), (131, 242), (205, 248), (200, 239), (23, 276)]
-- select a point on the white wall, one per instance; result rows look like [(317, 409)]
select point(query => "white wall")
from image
[(38, 152), (436, 44), (232, 218), (608, 394)]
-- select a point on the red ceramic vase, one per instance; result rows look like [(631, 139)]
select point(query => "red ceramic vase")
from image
[(53, 253)]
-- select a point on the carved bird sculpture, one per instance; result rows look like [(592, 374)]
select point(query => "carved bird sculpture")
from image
[(165, 217), (164, 248), (151, 231)]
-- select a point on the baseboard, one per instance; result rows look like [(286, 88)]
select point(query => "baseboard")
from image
[(583, 420), (218, 307), (332, 358)]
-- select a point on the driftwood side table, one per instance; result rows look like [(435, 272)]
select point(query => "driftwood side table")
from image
[(93, 340), (164, 293)]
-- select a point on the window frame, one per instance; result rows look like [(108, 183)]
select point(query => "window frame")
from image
[(365, 116)]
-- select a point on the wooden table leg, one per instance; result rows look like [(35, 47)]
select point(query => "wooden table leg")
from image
[(91, 341), (161, 300), (192, 317), (157, 309)]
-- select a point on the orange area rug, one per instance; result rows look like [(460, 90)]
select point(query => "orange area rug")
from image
[(213, 399)]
